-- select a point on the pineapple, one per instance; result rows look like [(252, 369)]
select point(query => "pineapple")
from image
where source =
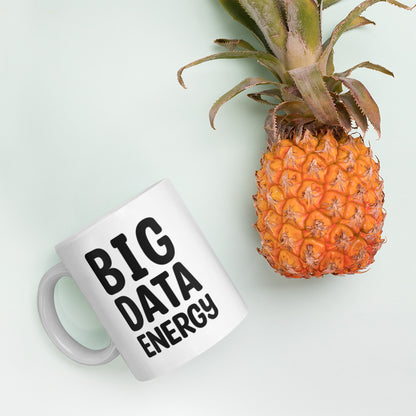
[(320, 197)]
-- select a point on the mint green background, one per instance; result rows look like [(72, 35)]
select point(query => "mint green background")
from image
[(91, 114)]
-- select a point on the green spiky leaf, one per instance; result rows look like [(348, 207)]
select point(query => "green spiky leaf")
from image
[(365, 64), (267, 60), (354, 111), (330, 68), (240, 87), (291, 93), (273, 93), (329, 3), (234, 44), (268, 17), (364, 100), (358, 22), (333, 85), (237, 11), (343, 116), (347, 22), (308, 89), (304, 33), (295, 107), (354, 24), (311, 85)]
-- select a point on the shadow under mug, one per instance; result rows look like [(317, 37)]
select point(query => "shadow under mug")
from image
[(153, 281)]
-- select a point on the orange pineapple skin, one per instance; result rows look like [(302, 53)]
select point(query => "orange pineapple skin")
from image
[(319, 205)]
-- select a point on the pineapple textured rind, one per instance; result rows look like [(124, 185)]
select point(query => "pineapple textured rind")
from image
[(319, 205)]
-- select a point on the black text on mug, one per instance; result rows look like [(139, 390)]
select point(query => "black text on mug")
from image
[(177, 283)]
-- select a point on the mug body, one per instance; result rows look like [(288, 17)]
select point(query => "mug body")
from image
[(154, 282)]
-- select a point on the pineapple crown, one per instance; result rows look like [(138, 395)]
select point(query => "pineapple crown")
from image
[(306, 91)]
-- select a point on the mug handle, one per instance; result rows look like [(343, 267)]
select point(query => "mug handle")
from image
[(54, 328)]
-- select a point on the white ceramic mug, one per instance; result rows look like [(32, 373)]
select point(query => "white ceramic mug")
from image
[(153, 281)]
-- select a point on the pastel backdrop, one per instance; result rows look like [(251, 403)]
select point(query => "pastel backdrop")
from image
[(91, 114)]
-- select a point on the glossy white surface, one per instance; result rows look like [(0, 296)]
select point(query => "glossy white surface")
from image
[(91, 113)]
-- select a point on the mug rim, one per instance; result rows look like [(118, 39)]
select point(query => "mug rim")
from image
[(104, 217)]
